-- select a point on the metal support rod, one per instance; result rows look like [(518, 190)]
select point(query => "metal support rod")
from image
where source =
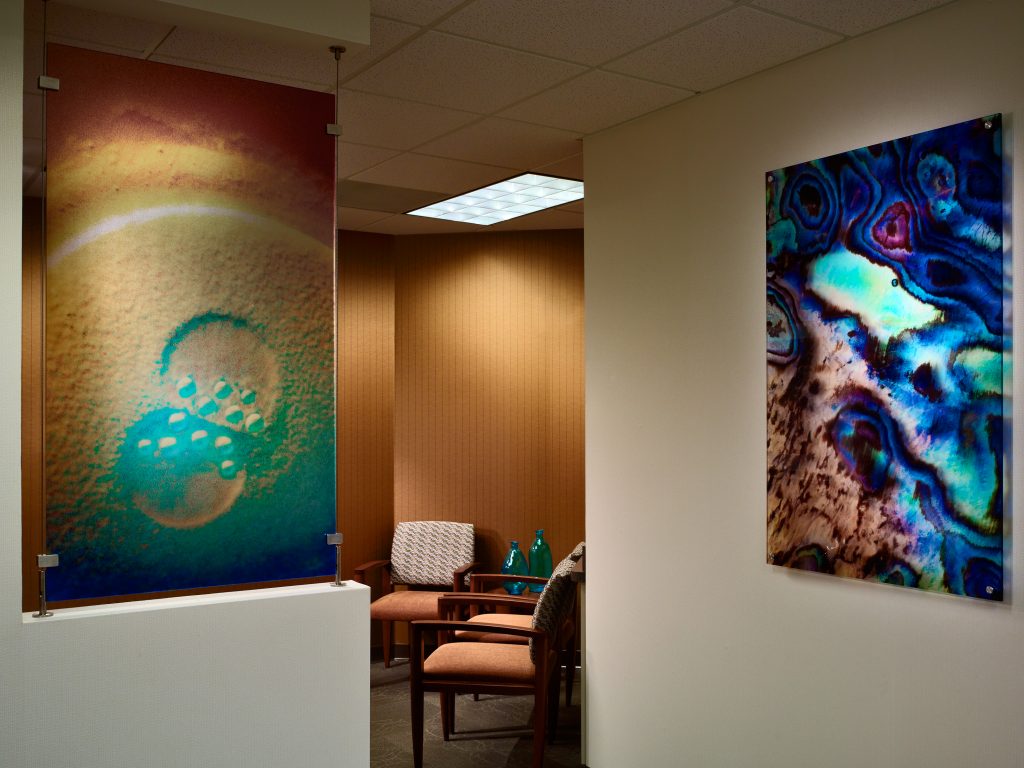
[(43, 612), (335, 540), (334, 130), (44, 161), (44, 562)]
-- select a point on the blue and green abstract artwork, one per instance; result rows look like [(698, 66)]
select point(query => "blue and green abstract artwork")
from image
[(888, 342)]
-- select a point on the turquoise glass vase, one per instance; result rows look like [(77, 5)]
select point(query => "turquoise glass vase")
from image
[(540, 560), (515, 564)]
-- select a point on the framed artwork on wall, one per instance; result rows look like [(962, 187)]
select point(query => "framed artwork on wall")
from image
[(189, 328), (888, 342)]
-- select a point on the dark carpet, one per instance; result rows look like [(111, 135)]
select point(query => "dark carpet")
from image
[(491, 733)]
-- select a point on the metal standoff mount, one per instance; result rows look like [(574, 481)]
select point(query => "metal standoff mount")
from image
[(334, 129), (335, 540), (44, 562)]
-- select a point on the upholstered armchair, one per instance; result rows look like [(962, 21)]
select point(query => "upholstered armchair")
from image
[(429, 558), (474, 662), (518, 615)]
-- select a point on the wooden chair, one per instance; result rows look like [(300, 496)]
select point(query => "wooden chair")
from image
[(510, 668), (430, 558), (516, 616)]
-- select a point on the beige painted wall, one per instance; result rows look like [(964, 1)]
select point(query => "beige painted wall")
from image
[(713, 658)]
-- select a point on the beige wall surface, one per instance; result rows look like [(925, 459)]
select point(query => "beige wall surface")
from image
[(715, 658)]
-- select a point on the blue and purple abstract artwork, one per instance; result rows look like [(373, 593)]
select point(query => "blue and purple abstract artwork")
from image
[(887, 338)]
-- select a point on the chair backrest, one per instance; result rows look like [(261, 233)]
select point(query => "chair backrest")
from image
[(556, 599), (429, 552)]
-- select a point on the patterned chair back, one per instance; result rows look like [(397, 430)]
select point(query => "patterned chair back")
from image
[(556, 599), (428, 552)]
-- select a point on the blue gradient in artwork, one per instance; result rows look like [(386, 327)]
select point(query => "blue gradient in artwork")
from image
[(200, 483), (783, 329), (890, 260)]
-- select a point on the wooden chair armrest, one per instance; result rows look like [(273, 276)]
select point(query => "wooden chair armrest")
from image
[(434, 625), (360, 571), (450, 604), (479, 581), (459, 576)]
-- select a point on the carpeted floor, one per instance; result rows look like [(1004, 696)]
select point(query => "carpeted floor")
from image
[(492, 733)]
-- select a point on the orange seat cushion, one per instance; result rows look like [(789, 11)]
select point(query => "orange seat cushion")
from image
[(499, 662), (523, 621), (407, 605)]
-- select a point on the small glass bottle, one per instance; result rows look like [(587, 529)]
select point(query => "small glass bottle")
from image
[(540, 560), (515, 564)]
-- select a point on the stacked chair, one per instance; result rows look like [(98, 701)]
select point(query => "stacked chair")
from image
[(430, 558), (497, 653)]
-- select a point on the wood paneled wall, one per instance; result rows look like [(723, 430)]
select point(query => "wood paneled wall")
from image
[(32, 542), (366, 396), (489, 385)]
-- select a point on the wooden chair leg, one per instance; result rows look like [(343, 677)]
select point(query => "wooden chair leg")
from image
[(554, 688), (451, 711), (570, 670), (540, 719), (446, 712), (416, 696), (417, 728), (385, 634)]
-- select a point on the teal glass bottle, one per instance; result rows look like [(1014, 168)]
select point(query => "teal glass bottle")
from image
[(540, 560), (516, 565)]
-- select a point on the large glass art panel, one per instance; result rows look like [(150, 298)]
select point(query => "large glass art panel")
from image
[(887, 332), (189, 418)]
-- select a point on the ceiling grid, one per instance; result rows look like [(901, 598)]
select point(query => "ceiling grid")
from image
[(452, 94)]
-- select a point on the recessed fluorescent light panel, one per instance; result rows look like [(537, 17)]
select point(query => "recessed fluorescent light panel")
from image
[(505, 200)]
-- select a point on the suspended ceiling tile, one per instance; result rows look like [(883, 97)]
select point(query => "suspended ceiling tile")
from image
[(246, 57), (381, 197), (353, 158), (385, 35), (505, 142), (554, 218), (101, 31), (723, 49), (436, 174), (395, 124), (355, 218), (422, 12), (418, 225), (594, 101), (849, 18), (253, 57), (462, 74), (569, 168), (585, 31), (233, 72)]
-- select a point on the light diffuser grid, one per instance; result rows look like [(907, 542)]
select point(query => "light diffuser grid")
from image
[(505, 200)]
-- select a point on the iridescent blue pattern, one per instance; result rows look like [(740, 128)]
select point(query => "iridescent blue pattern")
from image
[(887, 339)]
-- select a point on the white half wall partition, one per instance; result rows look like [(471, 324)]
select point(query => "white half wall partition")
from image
[(713, 658), (268, 678)]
